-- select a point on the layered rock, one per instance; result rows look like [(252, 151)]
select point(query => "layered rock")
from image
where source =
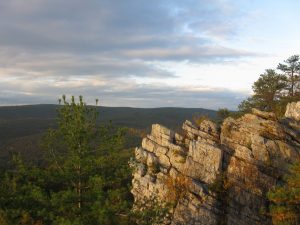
[(222, 174), (293, 110)]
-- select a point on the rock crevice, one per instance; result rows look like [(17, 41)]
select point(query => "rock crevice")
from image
[(223, 174)]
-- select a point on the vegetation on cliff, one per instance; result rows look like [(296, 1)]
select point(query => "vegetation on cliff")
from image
[(285, 207), (272, 91)]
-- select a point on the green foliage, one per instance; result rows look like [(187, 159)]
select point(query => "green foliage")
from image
[(21, 127), (246, 105), (23, 200), (150, 212), (268, 89), (79, 151), (223, 113), (285, 199), (272, 91), (198, 119), (3, 218), (291, 68), (267, 92), (86, 179), (45, 191)]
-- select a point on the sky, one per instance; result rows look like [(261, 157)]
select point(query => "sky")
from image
[(138, 53)]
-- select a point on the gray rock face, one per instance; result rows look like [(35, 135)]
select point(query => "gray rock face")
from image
[(217, 176)]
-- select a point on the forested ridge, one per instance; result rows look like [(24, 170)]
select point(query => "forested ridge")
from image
[(81, 174)]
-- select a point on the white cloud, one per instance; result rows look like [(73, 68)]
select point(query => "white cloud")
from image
[(135, 52)]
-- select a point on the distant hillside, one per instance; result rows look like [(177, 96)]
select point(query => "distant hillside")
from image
[(21, 127)]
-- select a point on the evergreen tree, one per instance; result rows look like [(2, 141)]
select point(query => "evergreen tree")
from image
[(23, 196), (222, 114), (285, 199), (246, 105), (78, 151), (267, 92), (291, 68), (85, 180)]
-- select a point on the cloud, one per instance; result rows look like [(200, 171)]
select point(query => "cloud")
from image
[(98, 47), (68, 65), (122, 93), (195, 54), (107, 26)]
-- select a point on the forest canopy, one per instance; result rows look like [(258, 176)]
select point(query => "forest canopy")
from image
[(85, 179)]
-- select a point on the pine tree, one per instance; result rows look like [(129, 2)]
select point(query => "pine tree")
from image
[(23, 196), (267, 92), (77, 152), (285, 199), (84, 179), (291, 68)]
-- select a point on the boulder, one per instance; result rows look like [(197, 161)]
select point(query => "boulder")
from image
[(264, 115), (293, 111)]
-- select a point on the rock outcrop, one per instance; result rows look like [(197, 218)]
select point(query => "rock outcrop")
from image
[(293, 110), (217, 175)]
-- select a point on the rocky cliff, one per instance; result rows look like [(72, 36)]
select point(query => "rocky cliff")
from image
[(217, 175)]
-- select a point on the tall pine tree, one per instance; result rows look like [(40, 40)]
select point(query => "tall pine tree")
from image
[(78, 151), (291, 68)]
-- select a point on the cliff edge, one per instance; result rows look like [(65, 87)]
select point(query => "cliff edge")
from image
[(217, 175)]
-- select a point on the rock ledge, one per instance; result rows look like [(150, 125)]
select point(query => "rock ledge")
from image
[(223, 174)]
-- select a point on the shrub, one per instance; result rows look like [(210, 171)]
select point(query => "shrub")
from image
[(285, 198)]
